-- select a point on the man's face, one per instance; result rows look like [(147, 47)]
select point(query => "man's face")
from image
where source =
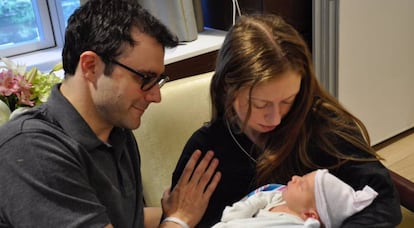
[(119, 99)]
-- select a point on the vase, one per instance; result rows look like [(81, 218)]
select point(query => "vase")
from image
[(4, 112)]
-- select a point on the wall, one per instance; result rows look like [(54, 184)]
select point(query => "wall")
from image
[(376, 64)]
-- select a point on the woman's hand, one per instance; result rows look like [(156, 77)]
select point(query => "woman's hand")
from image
[(189, 199)]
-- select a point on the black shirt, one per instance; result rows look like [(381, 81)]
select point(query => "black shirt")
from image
[(237, 169), (238, 172)]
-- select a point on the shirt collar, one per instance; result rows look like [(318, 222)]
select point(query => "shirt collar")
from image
[(69, 119)]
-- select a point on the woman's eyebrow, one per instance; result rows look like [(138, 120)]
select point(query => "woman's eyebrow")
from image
[(293, 95), (261, 99)]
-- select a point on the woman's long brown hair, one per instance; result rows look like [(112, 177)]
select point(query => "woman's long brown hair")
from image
[(259, 48)]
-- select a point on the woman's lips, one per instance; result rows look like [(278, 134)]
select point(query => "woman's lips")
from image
[(267, 128)]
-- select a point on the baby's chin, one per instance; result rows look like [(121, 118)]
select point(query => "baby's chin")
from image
[(284, 193)]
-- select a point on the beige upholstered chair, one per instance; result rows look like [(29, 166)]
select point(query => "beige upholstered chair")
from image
[(165, 128), (406, 189)]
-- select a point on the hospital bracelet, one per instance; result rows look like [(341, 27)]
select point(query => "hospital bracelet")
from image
[(176, 220)]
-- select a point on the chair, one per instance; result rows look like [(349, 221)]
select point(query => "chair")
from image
[(165, 128), (406, 190)]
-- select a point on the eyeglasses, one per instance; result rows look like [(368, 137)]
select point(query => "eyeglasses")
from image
[(147, 81)]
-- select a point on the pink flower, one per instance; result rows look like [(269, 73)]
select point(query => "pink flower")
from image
[(19, 88), (12, 86), (7, 87), (23, 88)]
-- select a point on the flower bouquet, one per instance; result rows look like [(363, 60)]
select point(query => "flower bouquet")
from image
[(21, 88)]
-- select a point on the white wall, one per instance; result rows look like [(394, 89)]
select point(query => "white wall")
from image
[(376, 64)]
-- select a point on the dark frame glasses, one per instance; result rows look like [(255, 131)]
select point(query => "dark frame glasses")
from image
[(147, 81)]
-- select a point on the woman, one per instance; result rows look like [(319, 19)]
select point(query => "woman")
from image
[(271, 120)]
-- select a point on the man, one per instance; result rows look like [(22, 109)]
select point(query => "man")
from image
[(73, 161)]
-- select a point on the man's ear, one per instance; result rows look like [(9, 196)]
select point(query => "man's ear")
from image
[(89, 63)]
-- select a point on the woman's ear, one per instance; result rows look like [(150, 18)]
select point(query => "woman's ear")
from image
[(90, 64)]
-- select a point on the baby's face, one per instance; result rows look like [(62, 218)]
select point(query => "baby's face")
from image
[(300, 192)]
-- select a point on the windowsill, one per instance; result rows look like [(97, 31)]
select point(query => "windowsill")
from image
[(207, 41), (44, 60)]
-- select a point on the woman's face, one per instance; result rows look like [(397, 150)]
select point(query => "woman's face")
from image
[(270, 100)]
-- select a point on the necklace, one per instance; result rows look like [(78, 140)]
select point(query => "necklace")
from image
[(238, 144)]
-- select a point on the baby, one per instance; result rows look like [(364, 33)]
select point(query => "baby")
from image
[(307, 201)]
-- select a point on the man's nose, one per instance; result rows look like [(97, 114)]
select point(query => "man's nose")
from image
[(154, 94)]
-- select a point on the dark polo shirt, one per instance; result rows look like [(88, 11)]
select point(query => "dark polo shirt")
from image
[(55, 172)]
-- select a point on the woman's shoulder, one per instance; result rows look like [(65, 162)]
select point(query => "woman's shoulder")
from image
[(210, 129), (212, 135)]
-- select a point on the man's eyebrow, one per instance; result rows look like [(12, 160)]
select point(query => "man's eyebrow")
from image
[(149, 73)]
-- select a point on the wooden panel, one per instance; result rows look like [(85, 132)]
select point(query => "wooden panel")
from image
[(218, 13), (298, 13), (192, 66)]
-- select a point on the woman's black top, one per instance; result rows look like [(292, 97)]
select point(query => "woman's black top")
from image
[(238, 173)]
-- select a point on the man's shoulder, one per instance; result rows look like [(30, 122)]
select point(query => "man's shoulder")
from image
[(26, 123)]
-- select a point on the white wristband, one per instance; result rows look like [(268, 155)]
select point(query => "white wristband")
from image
[(176, 220)]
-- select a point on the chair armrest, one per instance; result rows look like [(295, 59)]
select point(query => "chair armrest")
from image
[(405, 188)]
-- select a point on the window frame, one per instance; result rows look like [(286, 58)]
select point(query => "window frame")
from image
[(46, 31)]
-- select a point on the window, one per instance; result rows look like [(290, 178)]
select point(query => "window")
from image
[(31, 25)]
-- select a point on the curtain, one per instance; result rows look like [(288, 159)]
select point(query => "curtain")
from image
[(182, 17)]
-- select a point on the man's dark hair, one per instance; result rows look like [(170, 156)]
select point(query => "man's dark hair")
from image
[(103, 26)]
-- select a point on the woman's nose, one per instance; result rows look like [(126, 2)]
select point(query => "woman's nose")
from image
[(273, 116)]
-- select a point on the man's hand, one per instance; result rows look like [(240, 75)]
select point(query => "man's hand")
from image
[(189, 199)]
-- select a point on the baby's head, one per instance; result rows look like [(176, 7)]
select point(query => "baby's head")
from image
[(299, 195), (323, 196)]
